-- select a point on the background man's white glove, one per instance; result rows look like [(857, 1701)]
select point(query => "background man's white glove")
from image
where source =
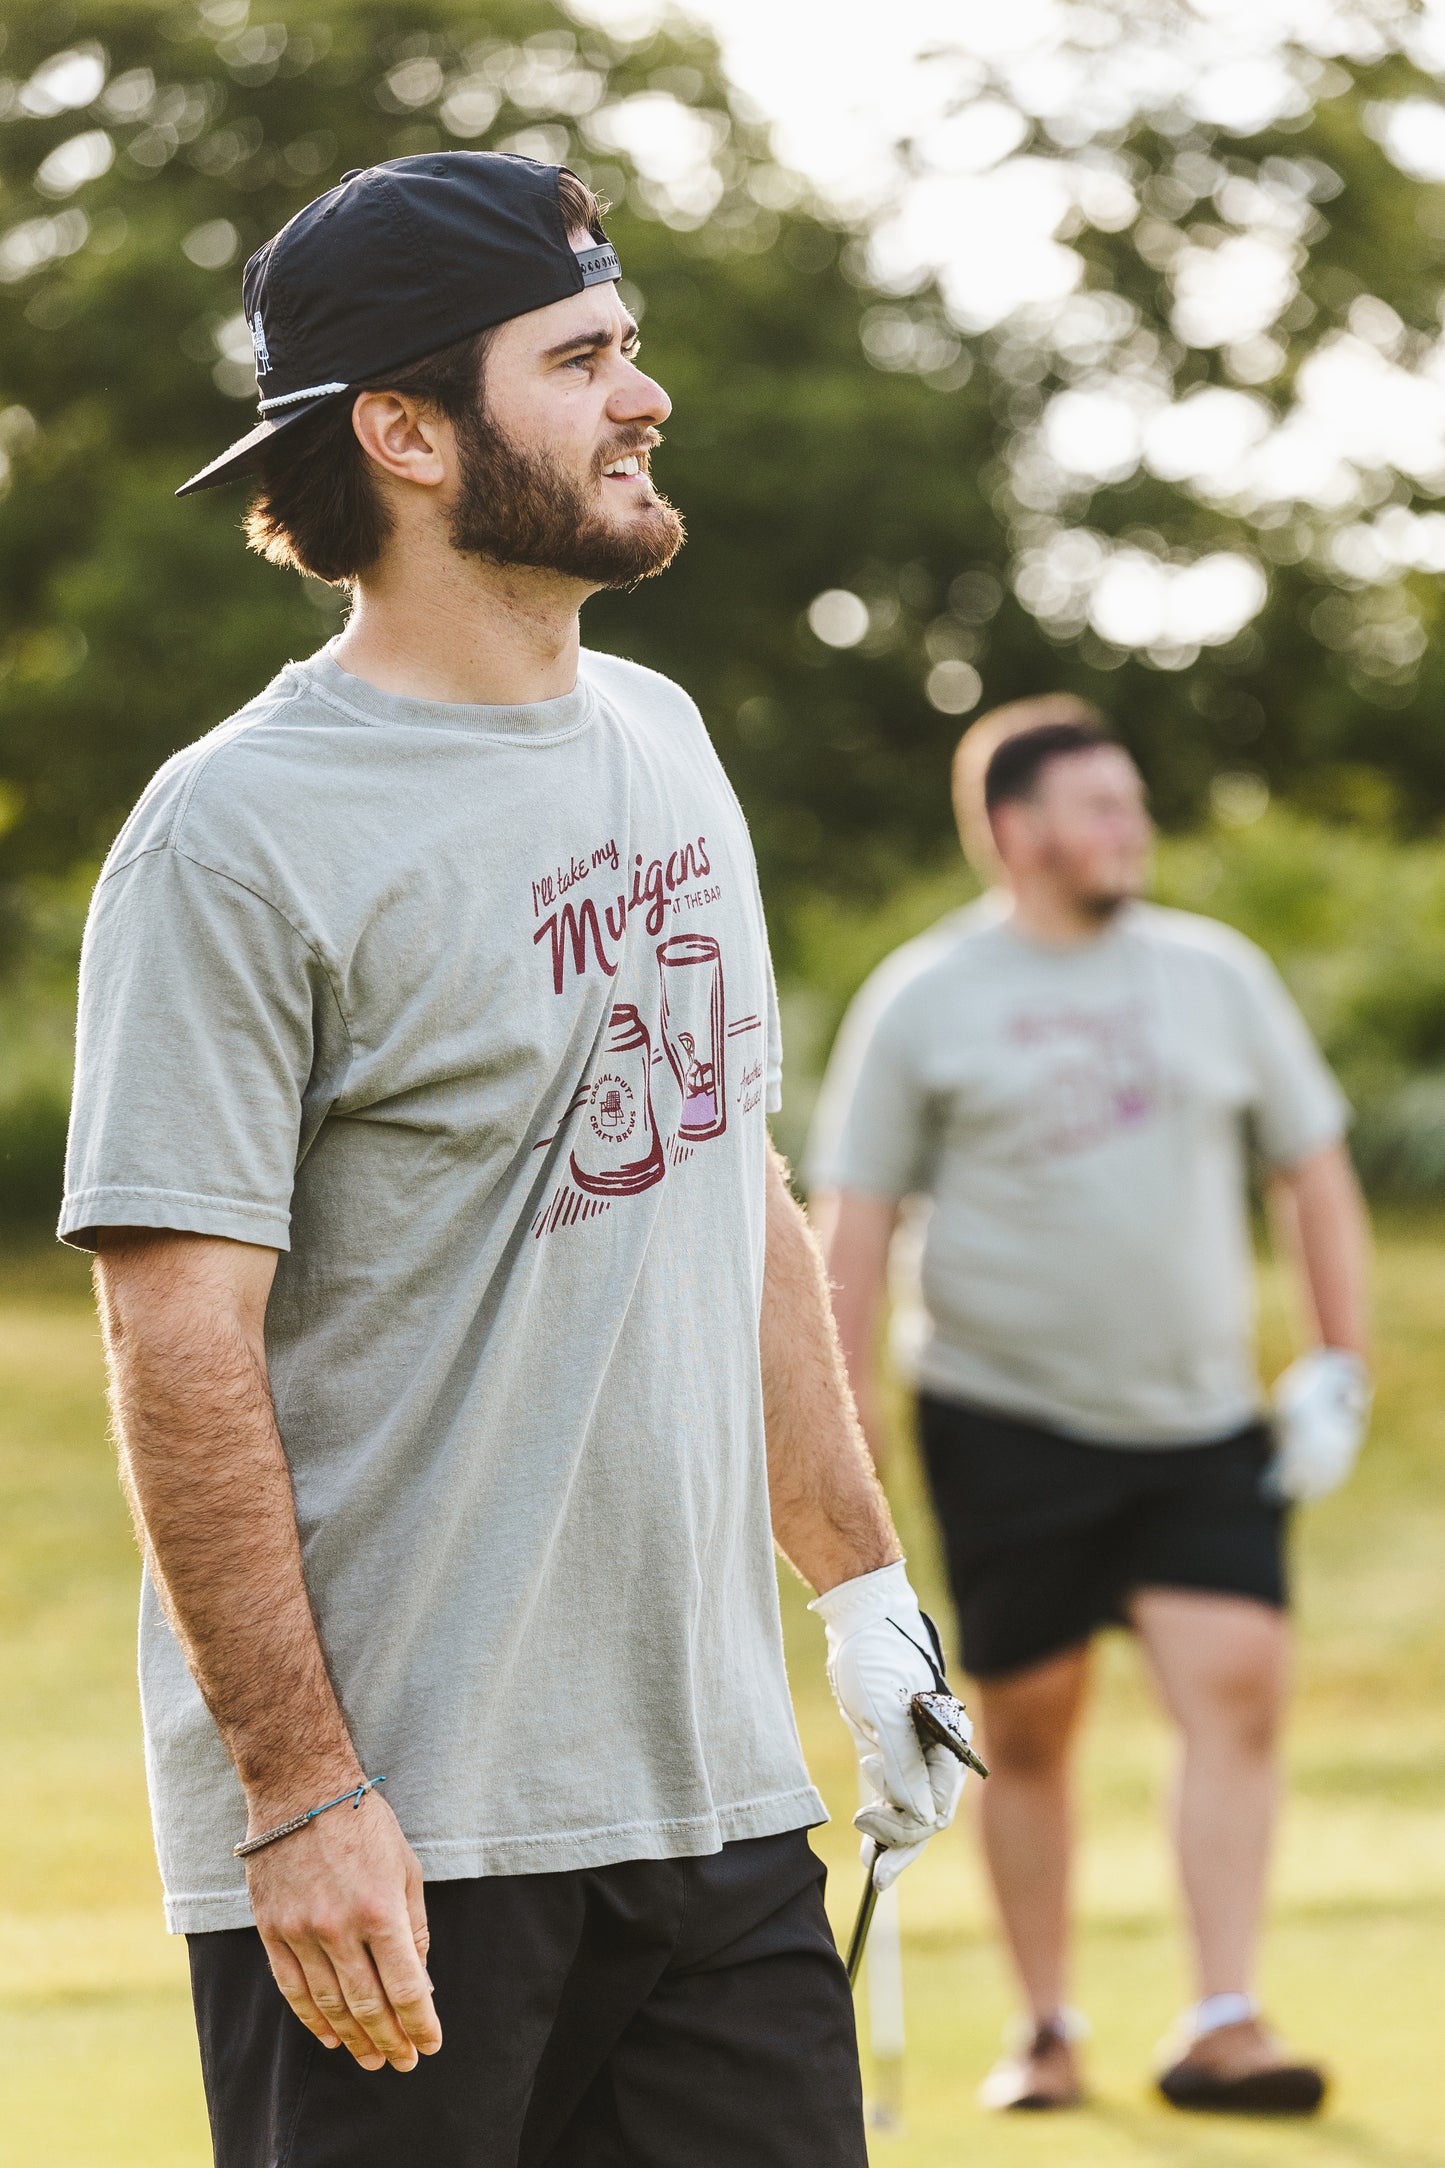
[(1321, 1414), (878, 1641)]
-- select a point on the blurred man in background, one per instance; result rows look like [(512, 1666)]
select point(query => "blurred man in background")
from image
[(1073, 1079)]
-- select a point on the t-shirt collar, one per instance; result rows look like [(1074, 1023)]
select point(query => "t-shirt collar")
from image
[(1102, 943), (557, 718)]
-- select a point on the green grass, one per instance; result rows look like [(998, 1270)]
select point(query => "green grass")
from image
[(99, 2068)]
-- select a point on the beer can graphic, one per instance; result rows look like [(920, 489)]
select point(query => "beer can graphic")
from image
[(690, 966), (616, 1150)]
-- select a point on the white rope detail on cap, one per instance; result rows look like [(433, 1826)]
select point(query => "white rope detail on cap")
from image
[(289, 398)]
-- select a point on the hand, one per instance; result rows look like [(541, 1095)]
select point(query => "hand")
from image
[(1321, 1414), (341, 1913), (878, 1641)]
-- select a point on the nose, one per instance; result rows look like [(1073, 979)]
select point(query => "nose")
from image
[(638, 398)]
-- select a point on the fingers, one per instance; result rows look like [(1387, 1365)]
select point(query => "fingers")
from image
[(375, 2002), (326, 1995), (291, 1980), (888, 1828), (901, 1836), (904, 1770), (370, 2006), (416, 1911), (946, 1776), (403, 1979)]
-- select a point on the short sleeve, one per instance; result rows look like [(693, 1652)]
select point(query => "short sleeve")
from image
[(200, 1012), (870, 1129), (1298, 1108)]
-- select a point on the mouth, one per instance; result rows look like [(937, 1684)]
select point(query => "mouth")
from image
[(632, 467)]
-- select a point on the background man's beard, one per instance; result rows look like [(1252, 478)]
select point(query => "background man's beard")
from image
[(1102, 904), (522, 508)]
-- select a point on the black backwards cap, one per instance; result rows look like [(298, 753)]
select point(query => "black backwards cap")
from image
[(394, 263)]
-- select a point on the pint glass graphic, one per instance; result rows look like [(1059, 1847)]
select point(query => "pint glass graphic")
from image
[(616, 1150), (690, 966)]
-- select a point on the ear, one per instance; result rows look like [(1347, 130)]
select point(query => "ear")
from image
[(1008, 825), (405, 438)]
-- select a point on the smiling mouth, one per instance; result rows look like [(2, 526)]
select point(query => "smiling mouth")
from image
[(625, 469)]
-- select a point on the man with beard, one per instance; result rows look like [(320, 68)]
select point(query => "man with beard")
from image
[(1070, 1077), (466, 1344)]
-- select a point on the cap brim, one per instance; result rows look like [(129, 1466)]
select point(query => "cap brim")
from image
[(242, 454)]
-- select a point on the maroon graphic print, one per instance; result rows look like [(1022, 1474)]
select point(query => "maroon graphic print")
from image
[(1095, 1072), (623, 1130), (616, 1150), (694, 1030), (564, 1208)]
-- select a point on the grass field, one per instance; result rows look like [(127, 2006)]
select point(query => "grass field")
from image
[(99, 2068)]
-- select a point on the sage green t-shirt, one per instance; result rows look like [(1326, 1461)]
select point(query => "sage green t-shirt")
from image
[(468, 1012), (1078, 1120)]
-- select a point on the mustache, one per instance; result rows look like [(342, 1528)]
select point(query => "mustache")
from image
[(641, 441)]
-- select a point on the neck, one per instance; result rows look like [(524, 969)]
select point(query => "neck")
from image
[(1050, 914), (432, 624)]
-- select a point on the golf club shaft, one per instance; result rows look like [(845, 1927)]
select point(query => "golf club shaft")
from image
[(866, 1908)]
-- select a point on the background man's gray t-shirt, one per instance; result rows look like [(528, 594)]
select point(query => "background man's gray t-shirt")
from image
[(469, 1013), (1079, 1119)]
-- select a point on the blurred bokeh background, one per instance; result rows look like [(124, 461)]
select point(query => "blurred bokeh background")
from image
[(1069, 344), (1089, 344)]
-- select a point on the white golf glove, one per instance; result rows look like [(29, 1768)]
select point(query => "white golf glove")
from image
[(879, 1646), (1321, 1414)]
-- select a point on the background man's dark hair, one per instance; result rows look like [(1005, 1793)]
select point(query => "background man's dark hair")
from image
[(317, 508), (1017, 763)]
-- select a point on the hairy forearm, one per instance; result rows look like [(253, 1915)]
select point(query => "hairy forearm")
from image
[(1322, 1218), (830, 1518), (210, 1492)]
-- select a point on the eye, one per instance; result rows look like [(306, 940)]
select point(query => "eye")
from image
[(632, 347)]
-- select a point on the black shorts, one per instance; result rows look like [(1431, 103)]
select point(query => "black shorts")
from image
[(686, 2013), (1046, 1536)]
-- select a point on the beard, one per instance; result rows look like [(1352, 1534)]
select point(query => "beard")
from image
[(1102, 905), (519, 507)]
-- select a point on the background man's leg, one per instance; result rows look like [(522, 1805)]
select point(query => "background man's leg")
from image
[(1222, 1667), (1029, 1719), (1222, 1664)]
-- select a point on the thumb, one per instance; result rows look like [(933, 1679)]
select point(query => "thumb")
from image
[(900, 1753)]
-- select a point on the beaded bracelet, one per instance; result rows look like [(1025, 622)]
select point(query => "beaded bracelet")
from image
[(299, 1821)]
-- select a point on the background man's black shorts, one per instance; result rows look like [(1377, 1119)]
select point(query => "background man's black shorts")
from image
[(1046, 1536), (671, 2013)]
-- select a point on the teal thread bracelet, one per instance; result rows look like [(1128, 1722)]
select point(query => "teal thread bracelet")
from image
[(299, 1821)]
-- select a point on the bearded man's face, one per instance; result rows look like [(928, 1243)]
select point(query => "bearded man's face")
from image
[(521, 505), (553, 469)]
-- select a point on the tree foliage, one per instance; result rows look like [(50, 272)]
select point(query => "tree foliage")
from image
[(838, 425), (134, 622)]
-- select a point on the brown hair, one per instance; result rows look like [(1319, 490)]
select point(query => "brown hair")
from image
[(317, 508), (976, 749)]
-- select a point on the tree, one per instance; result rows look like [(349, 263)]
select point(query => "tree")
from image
[(146, 155), (1221, 421), (900, 504)]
